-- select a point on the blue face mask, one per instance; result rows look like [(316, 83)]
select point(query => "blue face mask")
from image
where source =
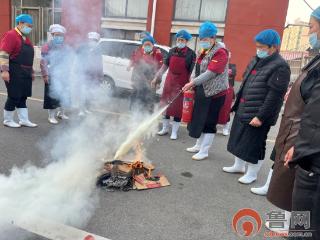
[(314, 41), (148, 49), (58, 40), (262, 53), (205, 45), (181, 45), (26, 30)]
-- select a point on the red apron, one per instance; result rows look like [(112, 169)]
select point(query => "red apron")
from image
[(224, 115), (178, 76)]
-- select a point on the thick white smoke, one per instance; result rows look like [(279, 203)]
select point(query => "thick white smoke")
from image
[(64, 191)]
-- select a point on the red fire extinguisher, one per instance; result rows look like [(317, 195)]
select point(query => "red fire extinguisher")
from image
[(188, 101)]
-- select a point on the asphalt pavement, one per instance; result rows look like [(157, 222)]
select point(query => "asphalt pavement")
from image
[(199, 204)]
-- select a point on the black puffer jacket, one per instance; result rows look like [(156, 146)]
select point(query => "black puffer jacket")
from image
[(264, 85)]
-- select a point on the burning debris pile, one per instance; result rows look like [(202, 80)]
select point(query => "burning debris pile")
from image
[(127, 175)]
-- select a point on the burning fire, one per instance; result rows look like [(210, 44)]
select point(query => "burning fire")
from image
[(137, 164)]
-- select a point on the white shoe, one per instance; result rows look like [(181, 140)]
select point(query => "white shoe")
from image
[(286, 224), (196, 148), (252, 173), (52, 116), (175, 128), (62, 115), (239, 166), (204, 148), (24, 118), (165, 127), (8, 119), (226, 129), (262, 191)]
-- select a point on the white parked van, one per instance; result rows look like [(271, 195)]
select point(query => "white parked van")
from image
[(116, 57)]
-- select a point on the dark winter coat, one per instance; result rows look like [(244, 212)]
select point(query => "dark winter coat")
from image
[(264, 84), (261, 95), (282, 181)]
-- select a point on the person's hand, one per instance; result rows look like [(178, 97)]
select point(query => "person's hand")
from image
[(188, 86), (255, 122), (5, 76), (288, 157), (32, 76), (46, 79)]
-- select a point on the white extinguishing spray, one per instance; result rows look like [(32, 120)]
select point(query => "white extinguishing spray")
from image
[(141, 130)]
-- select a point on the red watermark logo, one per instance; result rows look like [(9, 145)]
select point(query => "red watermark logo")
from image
[(247, 223), (89, 237)]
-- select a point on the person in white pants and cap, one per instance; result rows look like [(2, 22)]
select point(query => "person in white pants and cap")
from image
[(54, 70), (211, 84), (16, 67)]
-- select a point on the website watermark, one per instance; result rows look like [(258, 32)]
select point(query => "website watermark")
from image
[(247, 223)]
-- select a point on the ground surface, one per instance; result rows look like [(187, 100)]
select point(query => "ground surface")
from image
[(199, 204)]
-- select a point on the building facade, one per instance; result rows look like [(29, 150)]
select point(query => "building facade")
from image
[(44, 13), (296, 37), (238, 21)]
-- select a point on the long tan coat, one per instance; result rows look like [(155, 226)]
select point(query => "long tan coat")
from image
[(282, 181)]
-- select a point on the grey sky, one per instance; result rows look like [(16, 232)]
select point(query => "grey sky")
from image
[(298, 9)]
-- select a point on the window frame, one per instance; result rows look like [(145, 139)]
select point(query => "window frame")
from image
[(199, 14), (111, 49), (126, 12)]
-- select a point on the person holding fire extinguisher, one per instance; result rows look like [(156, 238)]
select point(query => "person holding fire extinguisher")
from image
[(210, 84), (180, 61)]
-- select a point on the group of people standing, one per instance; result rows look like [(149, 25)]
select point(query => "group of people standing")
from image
[(58, 61), (295, 178)]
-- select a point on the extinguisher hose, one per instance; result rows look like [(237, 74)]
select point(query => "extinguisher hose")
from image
[(175, 98)]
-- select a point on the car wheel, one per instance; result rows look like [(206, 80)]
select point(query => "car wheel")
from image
[(108, 84)]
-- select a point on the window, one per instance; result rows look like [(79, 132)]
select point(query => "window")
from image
[(57, 3), (126, 8), (137, 8), (128, 49), (43, 16), (112, 49), (213, 10), (120, 34), (187, 9), (36, 3), (201, 10), (115, 8)]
